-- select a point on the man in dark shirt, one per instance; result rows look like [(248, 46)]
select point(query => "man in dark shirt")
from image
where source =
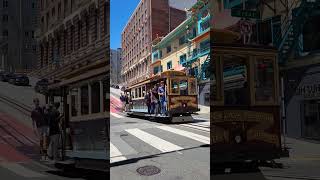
[(54, 131), (40, 126)]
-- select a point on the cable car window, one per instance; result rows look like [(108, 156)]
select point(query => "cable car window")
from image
[(95, 97), (84, 100), (143, 91), (236, 87), (174, 86), (140, 94), (193, 87), (264, 80), (183, 87), (74, 102)]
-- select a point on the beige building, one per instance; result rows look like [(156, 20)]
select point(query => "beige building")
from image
[(72, 35)]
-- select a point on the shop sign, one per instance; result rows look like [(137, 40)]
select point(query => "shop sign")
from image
[(311, 90)]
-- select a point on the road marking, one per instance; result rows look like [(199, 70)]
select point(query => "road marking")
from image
[(201, 119), (203, 124), (115, 154), (116, 115), (195, 127), (156, 142), (197, 137), (21, 171)]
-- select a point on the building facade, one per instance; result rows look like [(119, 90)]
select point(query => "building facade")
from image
[(151, 19), (18, 24), (115, 66), (73, 35), (187, 48)]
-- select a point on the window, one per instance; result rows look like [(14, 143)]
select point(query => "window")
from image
[(264, 80), (84, 100), (183, 58), (193, 87), (59, 10), (204, 25), (26, 33), (5, 33), (183, 87), (5, 18), (74, 102), (33, 5), (174, 86), (95, 97), (53, 12), (169, 49), (235, 92), (32, 34), (169, 65), (182, 40), (204, 46), (5, 3)]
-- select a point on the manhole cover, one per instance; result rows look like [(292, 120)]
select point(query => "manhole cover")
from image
[(148, 170)]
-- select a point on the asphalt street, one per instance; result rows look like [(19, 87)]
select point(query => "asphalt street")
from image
[(177, 151)]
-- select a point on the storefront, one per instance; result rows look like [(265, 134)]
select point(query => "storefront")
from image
[(303, 108)]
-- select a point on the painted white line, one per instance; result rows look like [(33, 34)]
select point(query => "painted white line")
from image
[(115, 154), (201, 119), (197, 137), (156, 142), (196, 127), (116, 115), (21, 171)]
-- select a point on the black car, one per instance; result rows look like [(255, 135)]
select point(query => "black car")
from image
[(41, 86), (10, 77), (2, 76), (21, 80)]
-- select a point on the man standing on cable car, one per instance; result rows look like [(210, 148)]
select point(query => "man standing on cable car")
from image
[(162, 98)]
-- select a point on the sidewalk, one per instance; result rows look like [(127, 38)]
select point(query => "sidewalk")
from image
[(303, 149), (204, 109)]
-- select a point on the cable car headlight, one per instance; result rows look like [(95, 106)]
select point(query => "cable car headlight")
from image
[(184, 105), (238, 139)]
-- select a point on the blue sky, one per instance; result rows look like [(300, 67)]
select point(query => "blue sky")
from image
[(120, 11)]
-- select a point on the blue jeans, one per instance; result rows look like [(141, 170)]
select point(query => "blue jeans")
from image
[(163, 107)]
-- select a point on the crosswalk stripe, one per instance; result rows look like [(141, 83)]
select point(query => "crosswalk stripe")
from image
[(116, 115), (21, 171), (204, 124), (115, 154), (196, 127), (187, 134), (156, 142)]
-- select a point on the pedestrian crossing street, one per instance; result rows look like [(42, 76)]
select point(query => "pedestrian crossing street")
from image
[(159, 139)]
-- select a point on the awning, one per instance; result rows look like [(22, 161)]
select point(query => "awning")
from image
[(87, 75)]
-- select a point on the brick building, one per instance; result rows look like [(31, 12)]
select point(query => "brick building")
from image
[(151, 19), (18, 23), (72, 35)]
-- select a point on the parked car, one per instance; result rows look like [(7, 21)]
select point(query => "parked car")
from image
[(11, 78), (41, 86), (2, 75), (21, 79)]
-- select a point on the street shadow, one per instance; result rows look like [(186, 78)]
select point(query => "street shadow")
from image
[(135, 160), (80, 173)]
